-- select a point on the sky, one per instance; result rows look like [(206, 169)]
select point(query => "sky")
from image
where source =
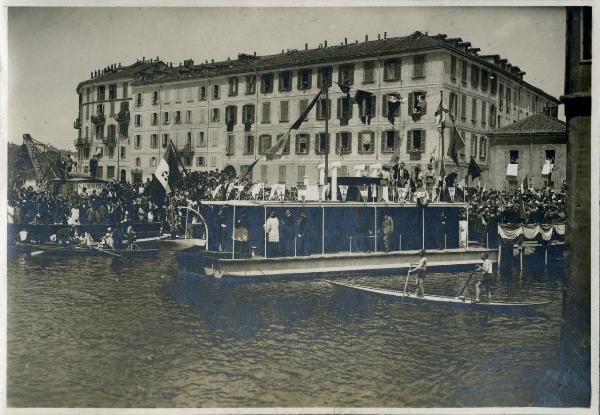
[(51, 50)]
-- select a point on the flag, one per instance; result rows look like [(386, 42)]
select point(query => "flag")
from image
[(456, 144), (524, 185), (473, 170), (276, 150), (345, 88), (394, 101), (440, 115), (249, 169), (302, 117), (365, 104), (166, 176)]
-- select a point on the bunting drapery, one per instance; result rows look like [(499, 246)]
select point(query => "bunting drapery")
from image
[(512, 233)]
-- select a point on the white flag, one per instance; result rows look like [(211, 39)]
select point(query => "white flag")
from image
[(162, 174)]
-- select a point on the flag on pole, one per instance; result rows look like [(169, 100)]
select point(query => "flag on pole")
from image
[(364, 100), (524, 185), (167, 174), (276, 151), (440, 115), (473, 170), (394, 101), (249, 169), (304, 114), (456, 144)]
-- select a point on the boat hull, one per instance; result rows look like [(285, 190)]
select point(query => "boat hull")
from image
[(179, 244), (48, 250)]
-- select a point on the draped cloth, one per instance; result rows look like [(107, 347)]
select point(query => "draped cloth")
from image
[(512, 234)]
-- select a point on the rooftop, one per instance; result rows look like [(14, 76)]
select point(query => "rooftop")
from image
[(538, 124)]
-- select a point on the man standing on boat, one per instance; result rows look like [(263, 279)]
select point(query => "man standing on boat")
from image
[(272, 231), (301, 234), (486, 279), (287, 234), (387, 228), (421, 270)]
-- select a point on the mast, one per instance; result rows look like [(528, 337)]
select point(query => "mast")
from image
[(442, 126), (326, 133)]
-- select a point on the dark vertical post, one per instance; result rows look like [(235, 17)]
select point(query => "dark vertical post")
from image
[(326, 133)]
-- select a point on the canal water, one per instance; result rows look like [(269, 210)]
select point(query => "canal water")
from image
[(104, 332)]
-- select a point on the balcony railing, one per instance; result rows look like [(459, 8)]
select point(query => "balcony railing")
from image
[(98, 119), (77, 123), (123, 117)]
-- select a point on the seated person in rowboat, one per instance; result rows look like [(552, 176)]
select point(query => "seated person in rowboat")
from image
[(421, 269), (487, 278), (86, 239), (130, 237), (107, 240)]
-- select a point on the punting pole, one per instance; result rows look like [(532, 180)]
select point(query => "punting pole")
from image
[(423, 227), (467, 232), (233, 234), (375, 233), (546, 256), (499, 255), (400, 243), (265, 228), (322, 230), (521, 256)]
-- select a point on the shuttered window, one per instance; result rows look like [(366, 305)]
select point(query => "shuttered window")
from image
[(419, 66), (453, 64), (366, 142), (282, 174), (463, 107), (417, 102), (474, 76), (302, 143), (473, 110), (324, 76), (368, 72), (304, 79), (285, 81), (343, 143), (392, 70), (344, 108), (283, 111), (264, 143), (322, 110), (346, 74), (415, 141), (320, 143), (266, 112), (389, 141)]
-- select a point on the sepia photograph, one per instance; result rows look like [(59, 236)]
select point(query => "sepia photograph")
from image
[(295, 209)]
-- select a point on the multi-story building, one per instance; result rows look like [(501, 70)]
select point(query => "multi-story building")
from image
[(229, 113)]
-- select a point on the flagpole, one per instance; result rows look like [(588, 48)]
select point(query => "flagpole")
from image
[(178, 158), (442, 126), (326, 133)]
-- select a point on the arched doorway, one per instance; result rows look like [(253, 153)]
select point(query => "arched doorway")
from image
[(123, 175)]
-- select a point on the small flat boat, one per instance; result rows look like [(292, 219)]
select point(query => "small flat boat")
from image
[(79, 250), (459, 302)]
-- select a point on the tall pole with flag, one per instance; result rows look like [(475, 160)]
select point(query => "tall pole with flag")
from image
[(326, 131), (441, 125)]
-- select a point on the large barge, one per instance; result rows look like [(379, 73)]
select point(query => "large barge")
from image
[(233, 241)]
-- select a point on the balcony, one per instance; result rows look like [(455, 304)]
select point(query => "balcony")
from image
[(98, 119), (111, 141), (123, 117), (186, 150), (77, 124), (82, 141)]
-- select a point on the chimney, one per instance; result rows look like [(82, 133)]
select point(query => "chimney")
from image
[(212, 61), (157, 59), (366, 38), (345, 41), (254, 53), (385, 35), (325, 44), (378, 36), (306, 46), (143, 59), (228, 59), (119, 64), (91, 74), (282, 51)]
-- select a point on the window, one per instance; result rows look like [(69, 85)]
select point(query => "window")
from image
[(384, 107), (248, 144), (266, 112), (389, 140), (266, 83), (87, 131), (302, 143), (514, 156), (368, 72), (392, 70), (344, 110), (321, 140), (188, 140), (250, 84), (418, 66), (187, 160), (473, 110), (301, 174), (493, 83), (100, 109), (153, 162), (551, 155), (285, 81), (485, 77), (177, 117), (264, 173), (110, 172), (323, 110), (123, 152), (125, 90), (230, 116), (282, 173), (474, 76), (154, 98), (138, 141), (154, 118), (453, 62), (138, 120), (166, 117), (202, 93), (366, 142), (215, 115), (283, 111), (99, 131), (214, 137), (138, 100), (286, 148), (248, 114), (189, 94), (343, 143), (201, 139), (324, 76), (417, 103), (346, 74), (473, 145), (453, 104), (200, 161), (100, 93), (302, 105), (482, 147), (166, 98), (112, 91), (99, 171), (463, 107), (233, 86), (111, 152), (492, 115), (264, 143), (188, 116), (464, 69), (304, 79), (99, 151), (178, 95), (112, 109), (216, 91), (508, 100), (112, 132), (230, 149), (88, 95), (138, 162), (202, 113), (165, 140), (87, 112), (501, 97), (154, 141), (483, 114), (415, 141)]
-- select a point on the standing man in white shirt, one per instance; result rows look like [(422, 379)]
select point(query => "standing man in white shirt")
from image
[(487, 278), (272, 231)]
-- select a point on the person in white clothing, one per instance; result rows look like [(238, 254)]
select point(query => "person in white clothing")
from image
[(272, 231), (487, 278)]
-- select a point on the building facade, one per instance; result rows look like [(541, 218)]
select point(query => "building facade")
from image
[(229, 113), (534, 148)]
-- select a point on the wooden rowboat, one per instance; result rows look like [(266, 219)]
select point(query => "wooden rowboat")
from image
[(75, 250), (445, 301)]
